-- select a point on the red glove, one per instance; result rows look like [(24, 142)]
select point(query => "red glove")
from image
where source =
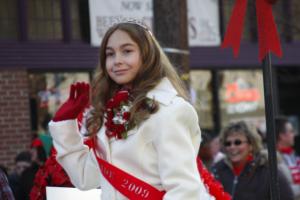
[(77, 102)]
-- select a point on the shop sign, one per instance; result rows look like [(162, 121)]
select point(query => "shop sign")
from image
[(241, 97), (203, 18)]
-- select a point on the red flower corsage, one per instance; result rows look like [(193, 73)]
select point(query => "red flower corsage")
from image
[(117, 115)]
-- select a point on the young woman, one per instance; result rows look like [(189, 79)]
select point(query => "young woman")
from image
[(140, 122)]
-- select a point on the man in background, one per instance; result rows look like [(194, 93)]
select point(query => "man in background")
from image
[(288, 161), (22, 162)]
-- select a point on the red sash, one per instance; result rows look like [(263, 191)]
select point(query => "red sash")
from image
[(136, 189), (130, 186)]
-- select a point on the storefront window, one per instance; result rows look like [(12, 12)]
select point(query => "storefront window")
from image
[(44, 20), (294, 21), (75, 17), (241, 97), (8, 19), (201, 97), (280, 18), (48, 91)]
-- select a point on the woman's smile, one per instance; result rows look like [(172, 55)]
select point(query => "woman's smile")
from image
[(120, 72)]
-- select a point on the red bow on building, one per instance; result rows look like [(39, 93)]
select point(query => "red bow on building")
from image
[(267, 33)]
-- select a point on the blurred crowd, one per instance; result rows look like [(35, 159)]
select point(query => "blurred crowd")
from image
[(237, 157)]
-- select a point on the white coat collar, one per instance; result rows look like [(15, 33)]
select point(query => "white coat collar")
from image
[(164, 92)]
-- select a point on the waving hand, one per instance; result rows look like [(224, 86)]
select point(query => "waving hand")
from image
[(76, 103)]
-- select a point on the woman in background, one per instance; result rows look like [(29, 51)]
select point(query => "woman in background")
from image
[(244, 172)]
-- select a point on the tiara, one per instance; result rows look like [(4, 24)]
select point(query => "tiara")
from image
[(123, 20)]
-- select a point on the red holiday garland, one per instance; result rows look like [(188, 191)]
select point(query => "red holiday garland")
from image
[(213, 186), (50, 174)]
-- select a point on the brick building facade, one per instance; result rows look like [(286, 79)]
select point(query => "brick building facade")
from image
[(15, 131)]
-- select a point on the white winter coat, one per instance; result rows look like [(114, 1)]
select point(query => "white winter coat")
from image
[(161, 151)]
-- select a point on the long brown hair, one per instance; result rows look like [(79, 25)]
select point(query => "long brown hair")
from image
[(155, 66)]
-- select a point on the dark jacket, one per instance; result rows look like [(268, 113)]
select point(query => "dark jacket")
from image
[(5, 191), (253, 183), (14, 182), (27, 180)]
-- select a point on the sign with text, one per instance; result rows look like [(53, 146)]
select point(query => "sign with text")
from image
[(203, 18), (203, 23)]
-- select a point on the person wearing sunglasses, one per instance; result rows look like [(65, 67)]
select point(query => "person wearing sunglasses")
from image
[(244, 170)]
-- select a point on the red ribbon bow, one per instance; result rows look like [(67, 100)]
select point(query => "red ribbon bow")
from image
[(267, 33)]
